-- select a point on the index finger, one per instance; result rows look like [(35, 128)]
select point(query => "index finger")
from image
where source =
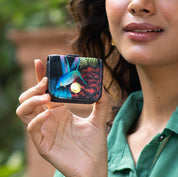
[(39, 69)]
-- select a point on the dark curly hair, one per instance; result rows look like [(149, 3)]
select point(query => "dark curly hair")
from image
[(95, 40)]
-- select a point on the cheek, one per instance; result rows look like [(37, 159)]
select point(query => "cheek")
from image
[(169, 10), (115, 10)]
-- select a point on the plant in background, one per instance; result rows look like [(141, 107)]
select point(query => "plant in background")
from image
[(27, 14), (11, 136), (24, 15)]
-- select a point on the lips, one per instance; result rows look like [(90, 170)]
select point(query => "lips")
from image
[(142, 32)]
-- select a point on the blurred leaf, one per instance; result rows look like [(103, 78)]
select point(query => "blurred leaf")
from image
[(20, 13), (15, 161), (13, 165)]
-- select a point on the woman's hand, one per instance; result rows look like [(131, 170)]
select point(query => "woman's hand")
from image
[(75, 146)]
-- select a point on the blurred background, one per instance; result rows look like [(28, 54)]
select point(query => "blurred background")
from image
[(31, 29), (28, 29)]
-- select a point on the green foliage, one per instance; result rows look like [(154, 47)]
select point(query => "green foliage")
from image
[(11, 129), (19, 14), (34, 13), (12, 134), (13, 167)]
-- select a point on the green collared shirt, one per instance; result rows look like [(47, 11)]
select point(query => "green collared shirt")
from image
[(159, 158)]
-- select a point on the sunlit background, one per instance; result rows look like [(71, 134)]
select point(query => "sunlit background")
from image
[(20, 15)]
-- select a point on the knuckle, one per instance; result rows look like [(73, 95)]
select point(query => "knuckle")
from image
[(18, 111), (21, 98), (29, 129)]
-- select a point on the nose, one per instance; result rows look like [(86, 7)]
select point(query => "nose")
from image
[(142, 7)]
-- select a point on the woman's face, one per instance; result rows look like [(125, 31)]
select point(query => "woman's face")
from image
[(145, 31)]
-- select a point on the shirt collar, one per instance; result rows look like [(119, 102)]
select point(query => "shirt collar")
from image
[(119, 155), (132, 108), (173, 122)]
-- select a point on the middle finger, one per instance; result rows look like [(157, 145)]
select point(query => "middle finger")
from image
[(38, 89)]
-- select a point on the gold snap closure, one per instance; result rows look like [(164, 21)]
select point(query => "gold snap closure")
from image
[(75, 87)]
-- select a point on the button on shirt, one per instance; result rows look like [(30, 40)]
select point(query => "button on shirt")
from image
[(159, 158)]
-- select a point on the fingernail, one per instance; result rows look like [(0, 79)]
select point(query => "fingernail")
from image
[(44, 97), (35, 60), (43, 79)]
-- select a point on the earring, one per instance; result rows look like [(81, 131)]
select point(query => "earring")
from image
[(112, 43)]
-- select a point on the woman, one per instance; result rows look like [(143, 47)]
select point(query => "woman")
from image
[(144, 138)]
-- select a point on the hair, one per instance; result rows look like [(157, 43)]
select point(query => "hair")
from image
[(94, 40)]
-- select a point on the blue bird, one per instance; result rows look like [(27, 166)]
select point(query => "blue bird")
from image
[(68, 77)]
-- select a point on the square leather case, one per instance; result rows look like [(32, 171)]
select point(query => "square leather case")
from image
[(74, 79)]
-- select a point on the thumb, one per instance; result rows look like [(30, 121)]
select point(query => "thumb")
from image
[(99, 113)]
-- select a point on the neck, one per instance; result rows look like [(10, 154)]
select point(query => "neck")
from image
[(159, 86)]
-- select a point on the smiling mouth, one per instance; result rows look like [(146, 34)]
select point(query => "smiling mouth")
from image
[(142, 28), (142, 32)]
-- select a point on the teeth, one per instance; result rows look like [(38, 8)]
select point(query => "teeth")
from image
[(157, 30), (141, 31), (146, 30)]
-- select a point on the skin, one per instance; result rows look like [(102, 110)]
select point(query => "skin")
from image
[(156, 62), (161, 13), (73, 145), (63, 139)]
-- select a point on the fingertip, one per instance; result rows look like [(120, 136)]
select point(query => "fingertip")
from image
[(39, 69), (44, 80), (45, 99), (48, 98), (47, 113), (36, 61), (100, 109)]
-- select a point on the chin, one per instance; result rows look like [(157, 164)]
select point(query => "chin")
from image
[(138, 57), (138, 60)]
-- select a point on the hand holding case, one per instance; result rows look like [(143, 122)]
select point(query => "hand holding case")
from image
[(74, 79)]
